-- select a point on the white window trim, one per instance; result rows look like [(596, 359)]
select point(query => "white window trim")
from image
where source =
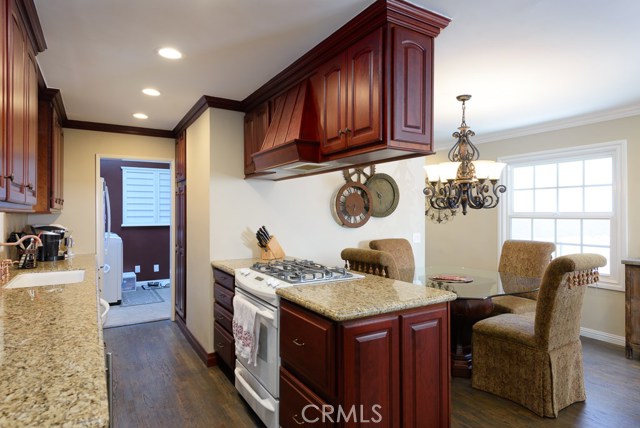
[(619, 151), (157, 172)]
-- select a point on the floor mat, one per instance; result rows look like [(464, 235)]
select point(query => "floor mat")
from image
[(140, 296)]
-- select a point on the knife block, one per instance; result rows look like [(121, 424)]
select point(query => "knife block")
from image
[(273, 251)]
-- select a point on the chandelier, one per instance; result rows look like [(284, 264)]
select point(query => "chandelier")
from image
[(464, 181)]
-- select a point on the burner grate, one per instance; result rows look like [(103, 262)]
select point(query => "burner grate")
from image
[(301, 271)]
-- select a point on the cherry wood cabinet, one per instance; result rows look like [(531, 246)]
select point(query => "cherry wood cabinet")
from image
[(256, 123), (371, 91), (181, 251), (224, 345), (21, 113), (298, 404), (349, 96), (389, 370), (181, 156), (3, 100), (632, 308), (50, 197)]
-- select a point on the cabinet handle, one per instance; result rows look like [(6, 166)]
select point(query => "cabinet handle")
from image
[(297, 342), (340, 132), (220, 345), (29, 186), (295, 419), (10, 177), (347, 130)]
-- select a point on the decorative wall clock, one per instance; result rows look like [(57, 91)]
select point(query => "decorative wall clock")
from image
[(353, 204), (384, 193)]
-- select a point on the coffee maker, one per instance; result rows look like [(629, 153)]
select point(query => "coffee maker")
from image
[(54, 242)]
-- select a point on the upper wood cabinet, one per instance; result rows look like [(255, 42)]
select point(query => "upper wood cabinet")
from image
[(50, 154), (348, 95), (371, 92), (256, 123), (3, 100), (20, 107)]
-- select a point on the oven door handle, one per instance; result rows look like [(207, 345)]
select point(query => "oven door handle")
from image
[(266, 315), (262, 401)]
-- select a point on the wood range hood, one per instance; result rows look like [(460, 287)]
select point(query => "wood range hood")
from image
[(291, 145), (364, 95)]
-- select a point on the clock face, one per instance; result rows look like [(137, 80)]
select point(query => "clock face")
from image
[(385, 194), (353, 204)]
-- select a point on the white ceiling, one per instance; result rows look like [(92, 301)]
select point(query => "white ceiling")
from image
[(529, 64)]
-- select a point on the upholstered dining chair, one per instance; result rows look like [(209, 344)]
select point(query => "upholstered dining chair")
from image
[(536, 359), (402, 253), (390, 258), (521, 266)]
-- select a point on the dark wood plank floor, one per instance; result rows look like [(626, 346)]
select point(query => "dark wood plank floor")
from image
[(613, 397), (160, 382)]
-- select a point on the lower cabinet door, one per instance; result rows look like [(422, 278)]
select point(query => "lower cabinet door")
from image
[(299, 406), (224, 345)]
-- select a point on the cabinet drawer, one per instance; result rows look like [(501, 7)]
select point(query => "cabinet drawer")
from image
[(224, 278), (224, 345), (307, 344), (223, 317), (298, 404), (223, 297)]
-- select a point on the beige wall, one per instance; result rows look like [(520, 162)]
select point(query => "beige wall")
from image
[(199, 272), (297, 211), (472, 240), (80, 150)]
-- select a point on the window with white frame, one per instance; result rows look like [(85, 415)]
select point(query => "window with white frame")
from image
[(574, 198), (146, 196)]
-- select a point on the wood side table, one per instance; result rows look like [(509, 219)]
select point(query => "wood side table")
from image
[(632, 308)]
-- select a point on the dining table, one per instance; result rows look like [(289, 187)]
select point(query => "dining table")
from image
[(475, 290)]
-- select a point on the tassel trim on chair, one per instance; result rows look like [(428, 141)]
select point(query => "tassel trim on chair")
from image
[(583, 277)]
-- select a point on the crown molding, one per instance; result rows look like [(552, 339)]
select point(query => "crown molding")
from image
[(119, 129), (554, 125)]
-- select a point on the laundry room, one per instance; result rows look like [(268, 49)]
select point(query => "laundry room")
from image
[(137, 225)]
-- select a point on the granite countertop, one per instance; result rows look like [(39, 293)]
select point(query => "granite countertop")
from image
[(52, 370), (631, 261), (359, 298), (229, 266)]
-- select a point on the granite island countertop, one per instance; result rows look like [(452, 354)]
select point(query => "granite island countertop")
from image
[(52, 369), (359, 298)]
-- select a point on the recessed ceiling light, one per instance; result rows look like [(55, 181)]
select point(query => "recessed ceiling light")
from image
[(170, 53), (140, 116), (151, 92)]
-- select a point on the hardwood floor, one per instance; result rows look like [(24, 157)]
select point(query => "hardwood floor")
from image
[(160, 382), (612, 384)]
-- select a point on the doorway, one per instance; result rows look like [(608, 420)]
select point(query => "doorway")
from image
[(141, 207)]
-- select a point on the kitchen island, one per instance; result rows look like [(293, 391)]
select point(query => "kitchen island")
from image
[(371, 350), (52, 367)]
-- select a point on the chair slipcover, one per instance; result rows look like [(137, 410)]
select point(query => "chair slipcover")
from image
[(535, 359)]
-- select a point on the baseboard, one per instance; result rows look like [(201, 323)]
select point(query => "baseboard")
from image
[(209, 359), (602, 336)]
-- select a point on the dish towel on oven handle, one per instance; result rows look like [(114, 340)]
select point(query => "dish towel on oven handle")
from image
[(245, 329)]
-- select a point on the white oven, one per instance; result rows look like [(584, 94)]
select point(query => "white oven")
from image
[(258, 384)]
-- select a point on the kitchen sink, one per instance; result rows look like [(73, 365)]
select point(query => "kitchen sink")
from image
[(46, 278)]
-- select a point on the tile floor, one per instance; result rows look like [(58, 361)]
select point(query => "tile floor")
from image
[(119, 316)]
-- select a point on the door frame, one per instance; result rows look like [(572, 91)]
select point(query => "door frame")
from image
[(99, 209)]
